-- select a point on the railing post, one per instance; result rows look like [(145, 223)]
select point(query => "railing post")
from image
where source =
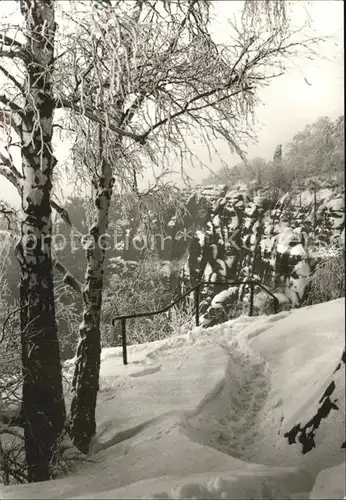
[(123, 336), (276, 305), (252, 290), (197, 304)]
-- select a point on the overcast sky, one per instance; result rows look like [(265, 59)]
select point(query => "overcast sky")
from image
[(289, 103)]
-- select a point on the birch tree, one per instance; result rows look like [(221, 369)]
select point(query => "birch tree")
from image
[(148, 77), (31, 116)]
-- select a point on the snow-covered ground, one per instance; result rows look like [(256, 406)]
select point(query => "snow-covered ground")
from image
[(211, 414)]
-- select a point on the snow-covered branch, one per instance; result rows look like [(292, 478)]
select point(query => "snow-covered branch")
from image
[(7, 172), (95, 117), (13, 176), (10, 42), (68, 278)]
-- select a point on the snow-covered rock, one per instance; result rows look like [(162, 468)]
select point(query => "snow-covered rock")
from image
[(330, 483)]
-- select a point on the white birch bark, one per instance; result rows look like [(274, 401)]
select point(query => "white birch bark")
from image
[(43, 403)]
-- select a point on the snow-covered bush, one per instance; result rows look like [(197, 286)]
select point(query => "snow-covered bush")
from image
[(68, 317), (133, 288), (182, 319), (227, 304), (328, 281), (12, 467)]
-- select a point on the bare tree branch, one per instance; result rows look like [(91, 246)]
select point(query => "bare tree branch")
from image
[(62, 212), (8, 173), (15, 54), (11, 117), (12, 78), (10, 42), (8, 162), (185, 109), (13, 106), (97, 118), (68, 278)]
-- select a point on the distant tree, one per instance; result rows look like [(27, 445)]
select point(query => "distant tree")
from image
[(317, 150), (279, 179)]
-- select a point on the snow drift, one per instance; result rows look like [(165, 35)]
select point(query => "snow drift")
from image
[(233, 411)]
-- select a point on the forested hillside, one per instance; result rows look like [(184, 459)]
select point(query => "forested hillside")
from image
[(316, 153)]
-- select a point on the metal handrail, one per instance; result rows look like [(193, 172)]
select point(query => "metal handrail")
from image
[(196, 288), (152, 313)]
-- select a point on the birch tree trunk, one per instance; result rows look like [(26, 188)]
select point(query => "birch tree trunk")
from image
[(43, 402), (85, 385)]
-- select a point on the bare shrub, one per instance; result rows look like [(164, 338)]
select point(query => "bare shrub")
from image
[(68, 314), (182, 319), (66, 458), (12, 457), (134, 288), (13, 464)]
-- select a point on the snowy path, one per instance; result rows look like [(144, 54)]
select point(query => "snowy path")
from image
[(219, 404), (174, 376), (229, 422)]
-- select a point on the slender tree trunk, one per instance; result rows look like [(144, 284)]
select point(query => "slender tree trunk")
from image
[(85, 383), (43, 401)]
